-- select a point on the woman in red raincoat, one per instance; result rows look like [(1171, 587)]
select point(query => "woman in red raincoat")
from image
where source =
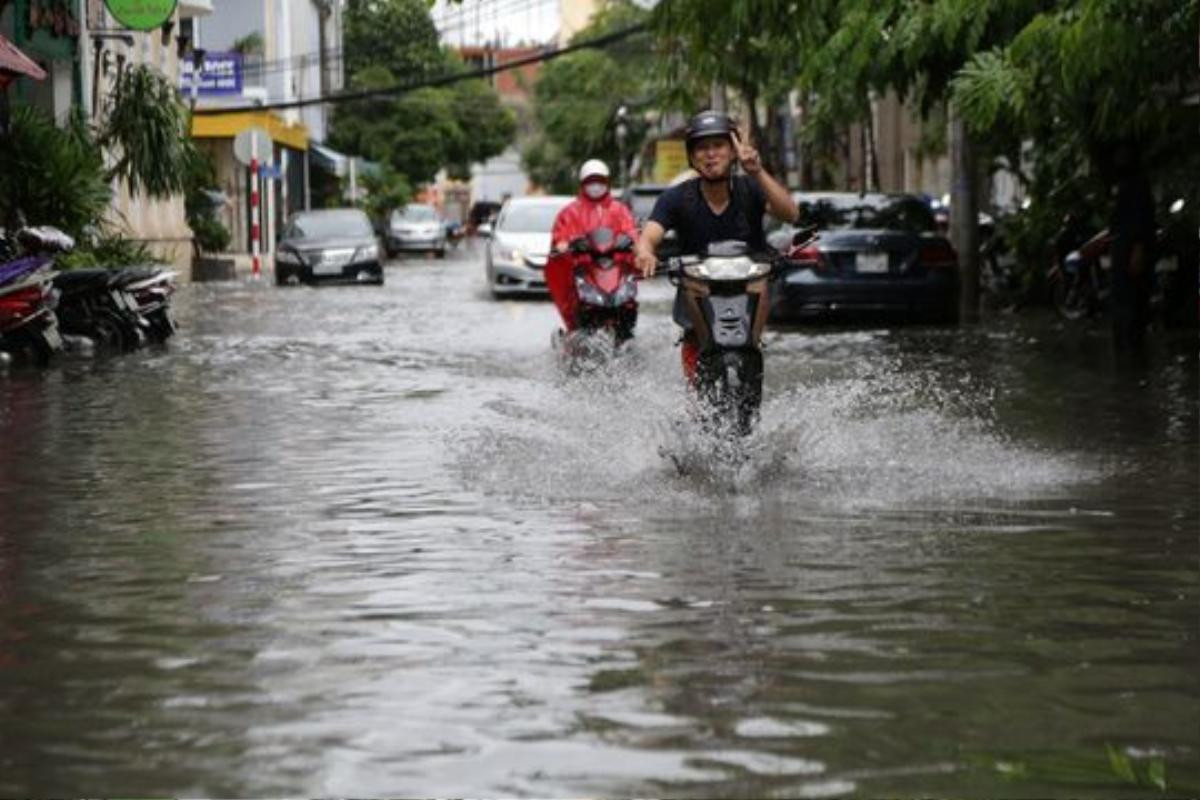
[(595, 207)]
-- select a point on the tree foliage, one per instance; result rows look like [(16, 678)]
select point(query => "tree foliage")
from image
[(1058, 84), (577, 97), (388, 43), (51, 176), (1082, 80), (146, 133)]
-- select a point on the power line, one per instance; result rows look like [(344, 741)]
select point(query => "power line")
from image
[(442, 80)]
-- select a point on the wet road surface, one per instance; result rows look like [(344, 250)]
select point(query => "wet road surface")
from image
[(370, 541)]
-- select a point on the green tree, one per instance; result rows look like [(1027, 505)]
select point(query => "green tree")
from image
[(1079, 80), (51, 175), (145, 132), (396, 34), (577, 97), (416, 133)]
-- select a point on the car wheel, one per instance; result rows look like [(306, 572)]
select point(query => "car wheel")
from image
[(439, 253)]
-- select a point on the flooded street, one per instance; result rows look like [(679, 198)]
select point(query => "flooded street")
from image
[(366, 541)]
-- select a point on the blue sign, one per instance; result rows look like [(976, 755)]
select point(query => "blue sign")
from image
[(221, 74)]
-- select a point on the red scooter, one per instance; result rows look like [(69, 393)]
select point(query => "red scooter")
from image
[(604, 303), (28, 324)]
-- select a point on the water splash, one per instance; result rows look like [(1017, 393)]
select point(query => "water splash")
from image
[(878, 433)]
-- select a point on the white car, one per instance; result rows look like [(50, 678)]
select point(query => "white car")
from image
[(416, 228), (520, 243)]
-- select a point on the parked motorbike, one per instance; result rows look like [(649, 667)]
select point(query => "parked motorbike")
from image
[(1176, 269), (151, 289), (93, 304), (28, 325), (1081, 279), (605, 281), (726, 297), (998, 278)]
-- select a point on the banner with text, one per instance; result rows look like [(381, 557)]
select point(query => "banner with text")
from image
[(221, 74)]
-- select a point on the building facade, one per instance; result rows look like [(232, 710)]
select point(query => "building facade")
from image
[(278, 52)]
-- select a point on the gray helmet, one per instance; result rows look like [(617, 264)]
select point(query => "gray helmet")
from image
[(708, 123)]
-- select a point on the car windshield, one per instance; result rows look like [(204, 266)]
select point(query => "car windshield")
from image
[(529, 217), (329, 224), (415, 213), (890, 213)]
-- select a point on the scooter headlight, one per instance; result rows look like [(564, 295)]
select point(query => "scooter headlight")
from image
[(589, 294), (738, 268), (625, 292)]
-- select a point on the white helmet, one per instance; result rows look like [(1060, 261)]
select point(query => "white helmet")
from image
[(593, 168)]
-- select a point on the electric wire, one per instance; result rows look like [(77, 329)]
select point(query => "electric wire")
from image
[(547, 54)]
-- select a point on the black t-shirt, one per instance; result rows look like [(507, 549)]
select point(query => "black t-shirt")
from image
[(683, 209)]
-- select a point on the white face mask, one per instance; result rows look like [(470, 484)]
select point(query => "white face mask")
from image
[(595, 190)]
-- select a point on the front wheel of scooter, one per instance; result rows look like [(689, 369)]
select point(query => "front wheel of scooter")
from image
[(730, 387)]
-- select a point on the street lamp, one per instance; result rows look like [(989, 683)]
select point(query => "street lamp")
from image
[(622, 132)]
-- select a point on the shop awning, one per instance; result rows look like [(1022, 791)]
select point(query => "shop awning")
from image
[(15, 64), (331, 160), (227, 126)]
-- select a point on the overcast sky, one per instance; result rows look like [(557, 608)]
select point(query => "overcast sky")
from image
[(508, 21)]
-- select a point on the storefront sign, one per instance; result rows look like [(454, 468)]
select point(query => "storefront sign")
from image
[(141, 15), (220, 75), (670, 159)]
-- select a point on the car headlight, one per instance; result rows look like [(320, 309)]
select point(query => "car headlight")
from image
[(288, 257), (367, 252)]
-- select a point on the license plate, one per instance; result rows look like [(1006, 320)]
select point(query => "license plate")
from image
[(327, 269), (871, 262)]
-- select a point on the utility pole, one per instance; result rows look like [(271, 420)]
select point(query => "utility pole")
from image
[(964, 217)]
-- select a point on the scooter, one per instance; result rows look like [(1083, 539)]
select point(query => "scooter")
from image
[(605, 282), (95, 304), (725, 294), (1080, 285), (150, 289), (28, 325)]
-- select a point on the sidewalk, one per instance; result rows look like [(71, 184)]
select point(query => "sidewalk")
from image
[(218, 267)]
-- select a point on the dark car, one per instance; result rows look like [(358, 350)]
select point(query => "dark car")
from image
[(336, 244), (875, 255)]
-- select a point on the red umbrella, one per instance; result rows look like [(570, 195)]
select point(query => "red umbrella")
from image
[(14, 64)]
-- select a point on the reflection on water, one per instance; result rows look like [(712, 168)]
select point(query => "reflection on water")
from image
[(370, 541)]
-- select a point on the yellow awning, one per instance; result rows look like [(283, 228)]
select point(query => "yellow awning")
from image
[(227, 126)]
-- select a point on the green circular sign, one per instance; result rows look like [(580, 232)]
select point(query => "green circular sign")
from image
[(141, 15)]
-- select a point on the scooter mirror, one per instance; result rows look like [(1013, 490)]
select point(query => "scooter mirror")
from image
[(803, 234)]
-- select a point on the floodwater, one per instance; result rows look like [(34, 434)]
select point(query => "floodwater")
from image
[(369, 541)]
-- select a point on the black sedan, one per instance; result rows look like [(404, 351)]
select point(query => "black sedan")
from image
[(875, 255), (336, 244)]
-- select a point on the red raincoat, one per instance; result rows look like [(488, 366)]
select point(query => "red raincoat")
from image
[(578, 218)]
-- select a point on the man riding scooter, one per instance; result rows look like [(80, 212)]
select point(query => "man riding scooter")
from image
[(713, 207), (594, 208)]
